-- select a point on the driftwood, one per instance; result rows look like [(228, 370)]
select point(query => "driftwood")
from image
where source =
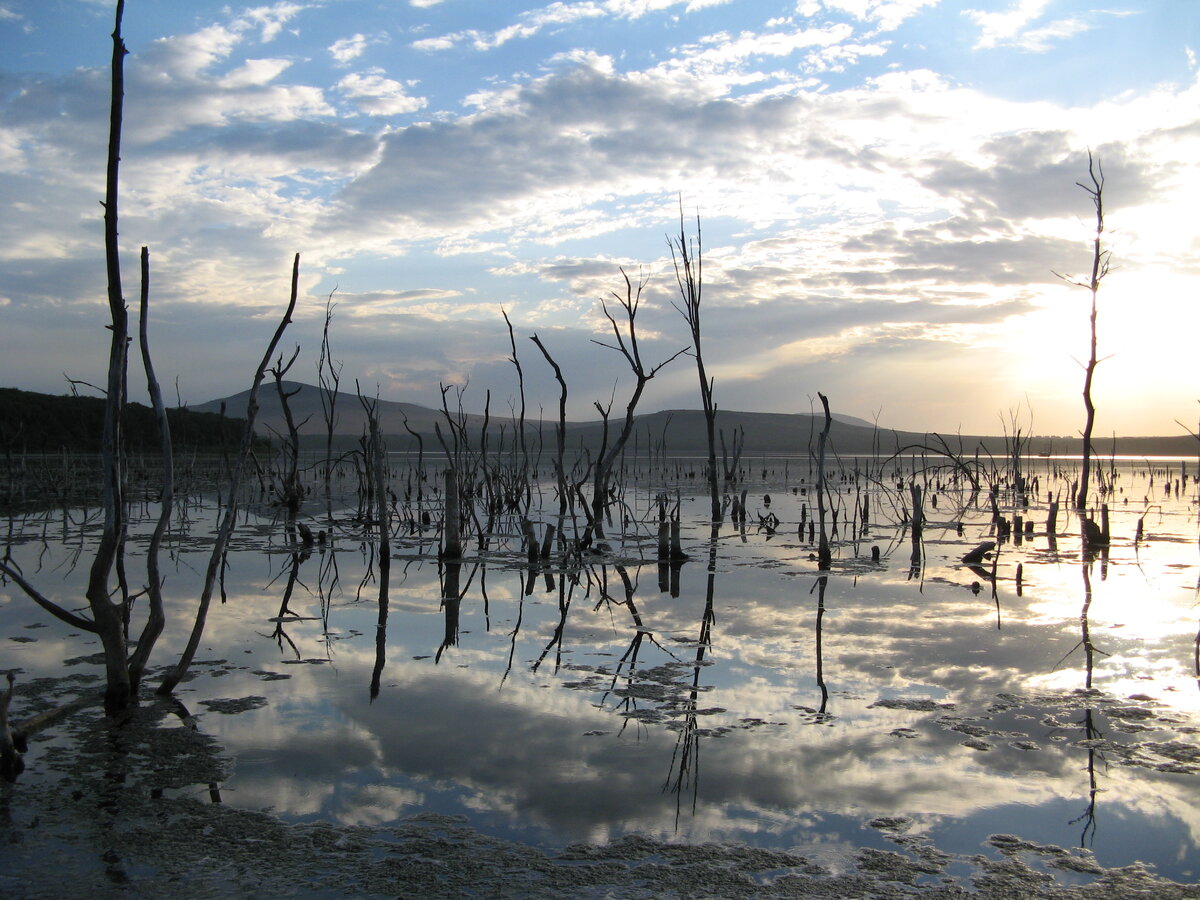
[(979, 554)]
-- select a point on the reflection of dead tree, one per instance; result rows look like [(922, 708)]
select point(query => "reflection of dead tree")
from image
[(820, 586), (628, 660), (376, 464), (512, 645), (452, 597), (1090, 730), (1088, 817), (565, 595), (685, 758), (285, 613)]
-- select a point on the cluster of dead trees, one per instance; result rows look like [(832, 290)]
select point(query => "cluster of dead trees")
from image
[(111, 597), (586, 490)]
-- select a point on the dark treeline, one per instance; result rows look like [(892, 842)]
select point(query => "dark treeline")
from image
[(44, 423)]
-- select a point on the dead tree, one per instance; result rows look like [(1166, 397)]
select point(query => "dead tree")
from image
[(627, 345), (560, 431), (108, 616), (689, 275), (824, 556), (1100, 264), (291, 493), (329, 376), (521, 391)]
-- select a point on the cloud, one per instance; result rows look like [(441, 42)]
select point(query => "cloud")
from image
[(254, 73), (843, 215), (269, 19), (345, 50), (533, 22), (887, 14), (1010, 27), (376, 95)]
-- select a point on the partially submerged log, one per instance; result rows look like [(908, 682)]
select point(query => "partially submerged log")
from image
[(979, 554)]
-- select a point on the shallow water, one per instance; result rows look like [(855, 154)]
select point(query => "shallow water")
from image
[(761, 702)]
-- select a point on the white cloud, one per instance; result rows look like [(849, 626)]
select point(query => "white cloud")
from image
[(1001, 27), (186, 56), (534, 21), (1041, 40), (254, 73), (270, 19), (377, 95), (445, 42), (888, 14), (346, 49), (1011, 27)]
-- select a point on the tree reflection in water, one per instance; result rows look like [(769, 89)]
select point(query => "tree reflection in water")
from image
[(685, 760)]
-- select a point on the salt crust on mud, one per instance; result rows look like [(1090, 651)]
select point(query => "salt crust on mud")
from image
[(110, 811)]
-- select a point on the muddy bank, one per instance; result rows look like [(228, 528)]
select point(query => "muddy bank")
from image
[(134, 809), (61, 841)]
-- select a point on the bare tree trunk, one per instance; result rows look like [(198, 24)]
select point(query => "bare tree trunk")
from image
[(627, 345), (824, 556), (521, 391), (452, 527), (292, 494), (155, 619), (329, 376), (689, 274), (560, 431), (107, 616), (1100, 264)]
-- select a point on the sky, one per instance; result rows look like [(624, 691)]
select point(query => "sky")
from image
[(885, 191)]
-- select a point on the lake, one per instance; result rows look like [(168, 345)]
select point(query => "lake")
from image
[(1042, 704)]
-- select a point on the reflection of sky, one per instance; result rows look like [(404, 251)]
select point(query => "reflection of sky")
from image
[(551, 756)]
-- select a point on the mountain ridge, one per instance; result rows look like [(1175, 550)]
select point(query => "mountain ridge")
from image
[(675, 431)]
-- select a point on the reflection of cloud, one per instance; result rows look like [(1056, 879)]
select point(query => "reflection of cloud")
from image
[(544, 754)]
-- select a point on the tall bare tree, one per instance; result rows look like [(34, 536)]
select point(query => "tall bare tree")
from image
[(688, 259), (329, 376), (1100, 265), (108, 616)]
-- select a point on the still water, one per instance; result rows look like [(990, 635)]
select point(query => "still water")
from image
[(743, 696)]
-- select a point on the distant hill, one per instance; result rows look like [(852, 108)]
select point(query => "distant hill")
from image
[(45, 423), (682, 430)]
